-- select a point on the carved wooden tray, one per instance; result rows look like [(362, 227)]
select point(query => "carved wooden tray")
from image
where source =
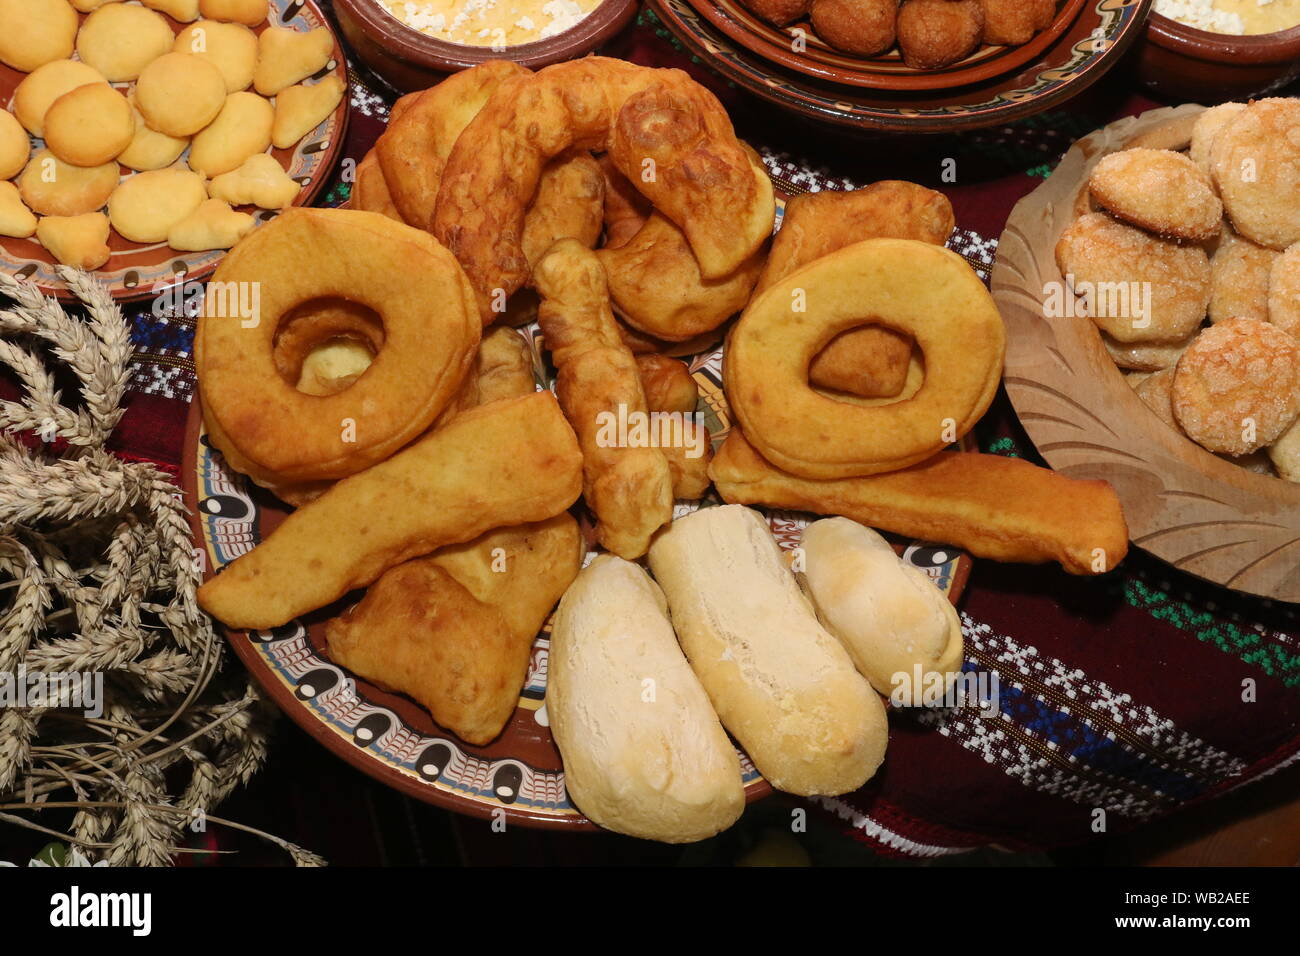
[(1201, 514)]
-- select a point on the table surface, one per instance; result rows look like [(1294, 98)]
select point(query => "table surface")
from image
[(1121, 693)]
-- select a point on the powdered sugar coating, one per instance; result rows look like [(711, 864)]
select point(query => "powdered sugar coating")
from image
[(1159, 190)]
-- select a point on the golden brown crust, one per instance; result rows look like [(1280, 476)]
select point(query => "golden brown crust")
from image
[(1237, 387), (1159, 190), (627, 486), (936, 33), (370, 191), (993, 507), (1239, 279), (665, 132), (1255, 162), (569, 204), (864, 27)]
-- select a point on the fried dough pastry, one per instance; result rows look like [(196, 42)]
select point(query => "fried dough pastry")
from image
[(1239, 277), (642, 344), (1001, 508), (914, 287), (1237, 387), (656, 286), (628, 488), (569, 204), (505, 365), (260, 422), (1159, 190), (668, 384), (864, 27), (933, 34), (498, 465), (626, 210), (871, 361), (1015, 22), (414, 148), (1095, 251), (666, 133), (778, 12), (1255, 161), (454, 630), (370, 190)]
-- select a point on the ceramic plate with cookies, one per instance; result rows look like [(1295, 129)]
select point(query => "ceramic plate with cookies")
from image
[(1152, 291), (140, 141)]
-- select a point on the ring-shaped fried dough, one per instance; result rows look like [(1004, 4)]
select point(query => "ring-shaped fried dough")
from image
[(665, 132), (278, 435), (913, 287)]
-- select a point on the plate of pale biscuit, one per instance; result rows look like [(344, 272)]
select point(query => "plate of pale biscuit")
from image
[(1152, 290), (140, 141)]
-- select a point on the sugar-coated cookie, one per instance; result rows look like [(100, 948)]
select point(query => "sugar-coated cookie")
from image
[(1239, 275), (1284, 291), (34, 32), (248, 12), (286, 56), (1145, 356), (16, 219), (146, 206), (77, 241), (180, 93), (1206, 128), (1160, 191), (1237, 387), (52, 187), (182, 11), (214, 225), (230, 47), (89, 126), (242, 128), (1166, 280), (261, 181), (121, 39), (150, 149), (1255, 160), (300, 109), (15, 147), (40, 88)]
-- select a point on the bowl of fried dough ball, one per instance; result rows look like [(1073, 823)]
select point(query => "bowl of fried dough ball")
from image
[(927, 35)]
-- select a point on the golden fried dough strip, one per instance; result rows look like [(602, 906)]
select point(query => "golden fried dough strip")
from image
[(626, 210), (994, 507), (628, 488), (872, 361), (666, 133), (668, 384), (502, 464)]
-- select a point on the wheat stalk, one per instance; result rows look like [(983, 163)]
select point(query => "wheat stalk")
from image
[(96, 575)]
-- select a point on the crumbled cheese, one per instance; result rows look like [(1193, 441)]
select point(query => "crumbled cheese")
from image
[(526, 23), (564, 14), (1202, 15), (490, 22)]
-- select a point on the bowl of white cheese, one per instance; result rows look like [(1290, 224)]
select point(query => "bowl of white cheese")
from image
[(1212, 51), (412, 44)]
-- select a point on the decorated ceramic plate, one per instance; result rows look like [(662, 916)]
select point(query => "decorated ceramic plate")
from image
[(519, 776), (1083, 51), (797, 47), (138, 270), (1202, 514)]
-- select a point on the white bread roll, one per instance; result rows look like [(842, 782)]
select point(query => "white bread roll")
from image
[(888, 614), (782, 685), (643, 751)]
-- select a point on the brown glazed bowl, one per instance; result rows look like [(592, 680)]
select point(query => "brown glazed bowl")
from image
[(410, 60), (1182, 64)]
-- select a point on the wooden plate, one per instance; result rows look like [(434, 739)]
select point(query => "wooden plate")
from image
[(139, 270), (387, 735), (1089, 46), (884, 72), (1198, 512)]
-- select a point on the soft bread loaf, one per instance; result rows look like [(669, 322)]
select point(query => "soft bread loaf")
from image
[(643, 751), (888, 614), (782, 685)]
